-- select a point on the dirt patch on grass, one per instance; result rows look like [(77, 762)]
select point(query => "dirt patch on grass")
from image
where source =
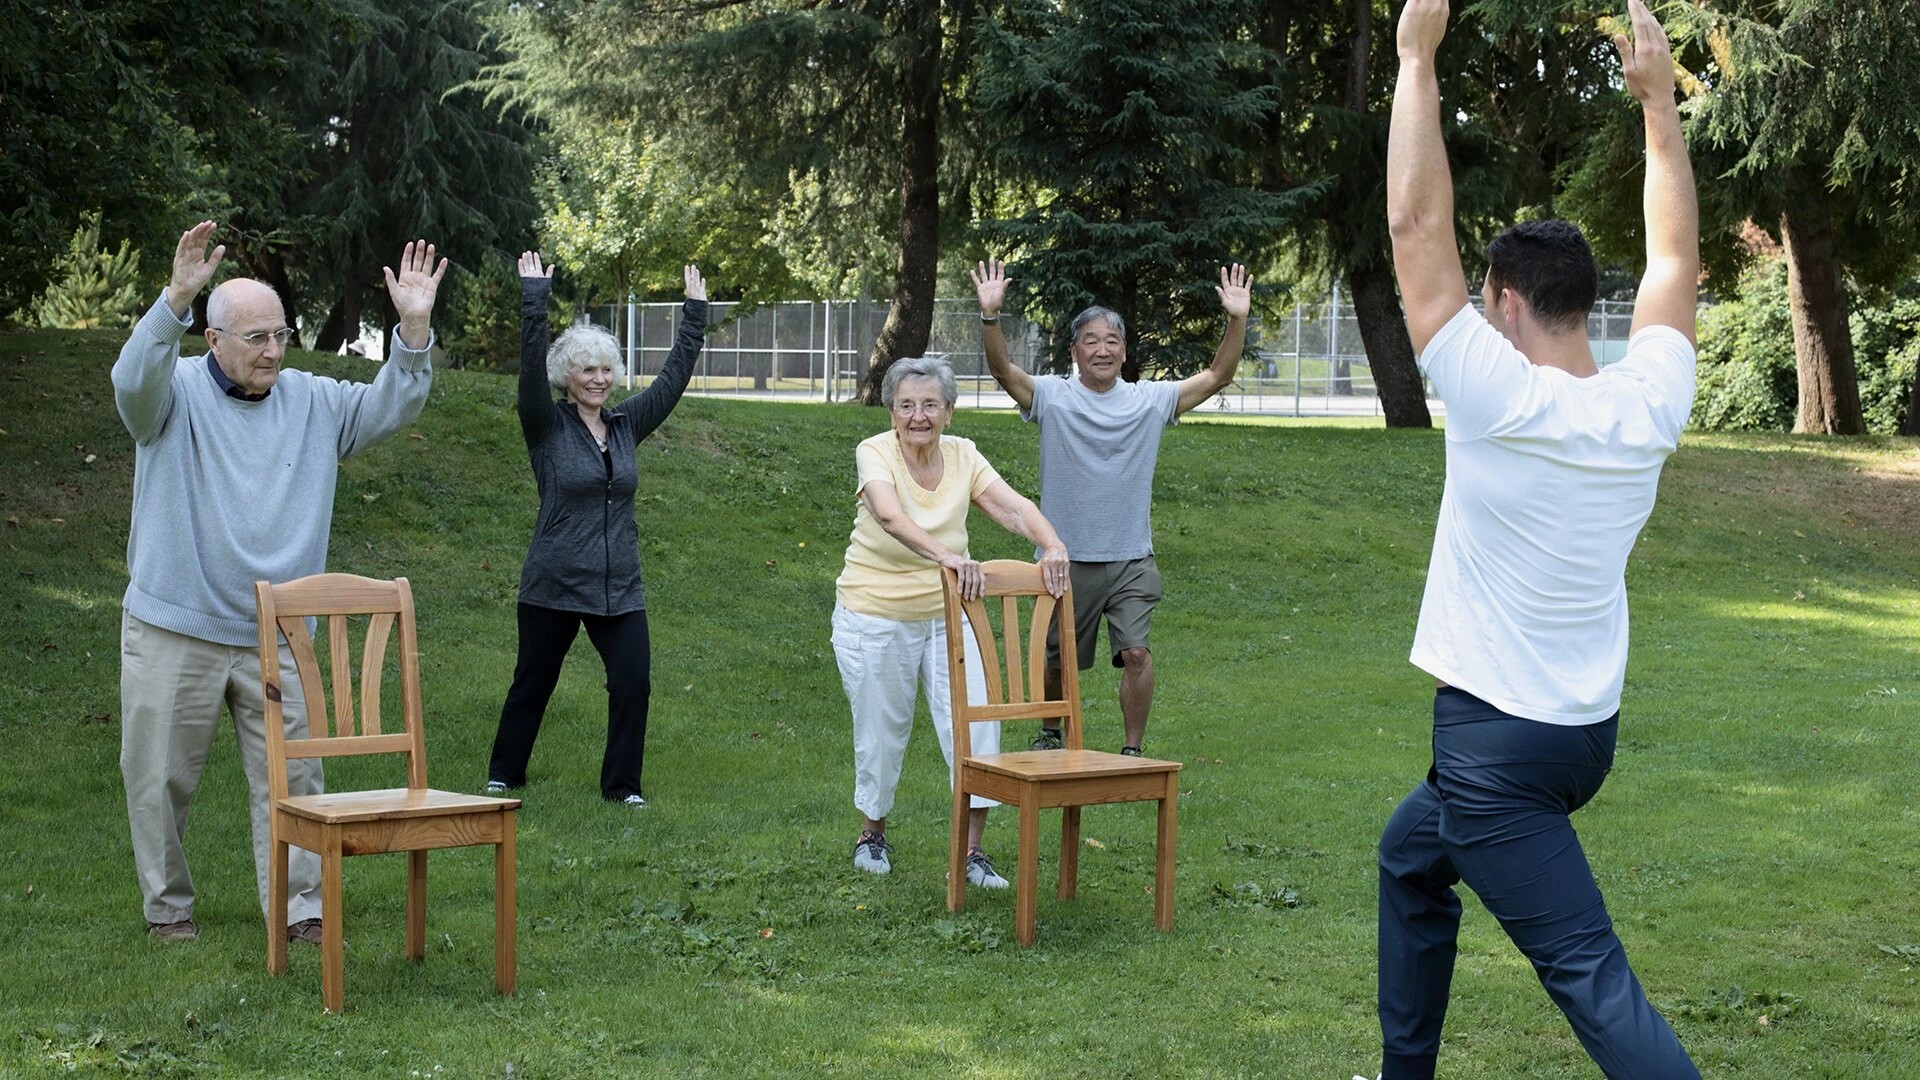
[(1873, 484)]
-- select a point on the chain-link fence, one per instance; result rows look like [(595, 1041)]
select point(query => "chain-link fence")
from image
[(1308, 362)]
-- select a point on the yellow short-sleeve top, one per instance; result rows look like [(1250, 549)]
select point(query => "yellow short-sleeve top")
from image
[(883, 576)]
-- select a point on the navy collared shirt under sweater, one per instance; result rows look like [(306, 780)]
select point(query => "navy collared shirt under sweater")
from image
[(585, 555)]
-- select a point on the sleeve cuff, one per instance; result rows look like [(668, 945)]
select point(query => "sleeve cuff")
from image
[(412, 359), (163, 323)]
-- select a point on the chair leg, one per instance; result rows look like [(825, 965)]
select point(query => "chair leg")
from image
[(957, 848), (333, 930), (1069, 851), (277, 902), (1163, 861), (1027, 888), (417, 905), (504, 965)]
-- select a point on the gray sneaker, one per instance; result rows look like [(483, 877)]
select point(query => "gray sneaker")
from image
[(1048, 739), (870, 853), (184, 930), (496, 787), (980, 871)]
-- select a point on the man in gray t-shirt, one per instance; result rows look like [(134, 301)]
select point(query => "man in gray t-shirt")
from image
[(1099, 441)]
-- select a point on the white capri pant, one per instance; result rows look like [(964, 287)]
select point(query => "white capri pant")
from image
[(883, 663)]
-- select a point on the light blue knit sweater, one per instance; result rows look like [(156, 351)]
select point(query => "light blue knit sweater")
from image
[(228, 492)]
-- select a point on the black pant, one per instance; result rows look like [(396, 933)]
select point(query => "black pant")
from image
[(545, 637), (1493, 812)]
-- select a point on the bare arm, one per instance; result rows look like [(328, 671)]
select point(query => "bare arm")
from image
[(1426, 259), (1669, 292), (1236, 297), (990, 282), (1017, 514), (883, 502)]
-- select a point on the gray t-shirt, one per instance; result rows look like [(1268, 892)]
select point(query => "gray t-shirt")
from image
[(1097, 453)]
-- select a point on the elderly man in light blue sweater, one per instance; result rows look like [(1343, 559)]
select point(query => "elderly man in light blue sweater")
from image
[(235, 462)]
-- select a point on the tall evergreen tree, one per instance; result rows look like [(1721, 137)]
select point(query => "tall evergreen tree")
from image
[(1806, 123), (1122, 122)]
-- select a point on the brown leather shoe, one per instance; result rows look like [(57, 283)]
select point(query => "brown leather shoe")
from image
[(184, 930), (307, 930)]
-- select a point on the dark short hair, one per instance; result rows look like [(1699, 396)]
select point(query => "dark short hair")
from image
[(1550, 264)]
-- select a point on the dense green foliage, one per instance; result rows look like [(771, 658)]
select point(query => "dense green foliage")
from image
[(1746, 372), (1751, 839), (1120, 122), (483, 316)]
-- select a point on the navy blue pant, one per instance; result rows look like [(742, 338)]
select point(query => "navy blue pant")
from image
[(545, 637), (1493, 813)]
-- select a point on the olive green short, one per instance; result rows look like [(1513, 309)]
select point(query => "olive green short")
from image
[(1124, 593)]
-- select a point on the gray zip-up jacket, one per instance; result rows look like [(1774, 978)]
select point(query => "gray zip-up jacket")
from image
[(585, 554)]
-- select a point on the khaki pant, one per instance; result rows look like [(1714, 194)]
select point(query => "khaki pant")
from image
[(171, 688)]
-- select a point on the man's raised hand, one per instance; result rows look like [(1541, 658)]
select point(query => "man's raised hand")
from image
[(530, 266), (990, 282), (1236, 291), (412, 291), (1422, 24), (1646, 60), (192, 267)]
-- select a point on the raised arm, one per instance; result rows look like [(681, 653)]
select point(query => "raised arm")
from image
[(143, 375), (1017, 514), (1236, 297), (651, 406), (370, 412), (412, 291), (990, 282), (1669, 291), (1426, 260), (535, 399)]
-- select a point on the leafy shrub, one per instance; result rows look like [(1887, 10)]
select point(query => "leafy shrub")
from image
[(1747, 380), (1886, 347), (485, 331), (91, 288)]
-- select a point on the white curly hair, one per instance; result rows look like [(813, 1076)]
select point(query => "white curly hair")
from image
[(579, 347)]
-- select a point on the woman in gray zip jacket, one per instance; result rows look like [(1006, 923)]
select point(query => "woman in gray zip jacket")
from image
[(583, 566)]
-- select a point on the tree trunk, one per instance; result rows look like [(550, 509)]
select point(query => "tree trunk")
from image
[(1383, 332), (1911, 425), (270, 266), (909, 322), (343, 322), (1822, 343)]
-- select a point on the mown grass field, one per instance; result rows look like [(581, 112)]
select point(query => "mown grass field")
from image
[(1757, 841)]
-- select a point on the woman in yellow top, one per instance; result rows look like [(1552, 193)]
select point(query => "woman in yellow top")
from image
[(889, 634)]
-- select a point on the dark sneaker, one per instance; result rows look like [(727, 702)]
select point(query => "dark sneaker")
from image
[(1048, 739), (307, 930), (1130, 751), (980, 871), (870, 853), (184, 930)]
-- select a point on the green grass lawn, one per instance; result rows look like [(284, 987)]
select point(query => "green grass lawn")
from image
[(1757, 841)]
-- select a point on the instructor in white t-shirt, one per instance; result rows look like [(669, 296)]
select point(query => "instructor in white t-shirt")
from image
[(1099, 442), (1552, 467)]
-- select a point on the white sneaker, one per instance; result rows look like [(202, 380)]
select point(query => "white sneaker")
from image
[(496, 787), (980, 871), (635, 801), (870, 854)]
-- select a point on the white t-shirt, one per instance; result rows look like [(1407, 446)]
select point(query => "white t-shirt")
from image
[(1549, 479), (1097, 456)]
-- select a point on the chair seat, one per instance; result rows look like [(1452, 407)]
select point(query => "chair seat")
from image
[(389, 803), (1041, 765)]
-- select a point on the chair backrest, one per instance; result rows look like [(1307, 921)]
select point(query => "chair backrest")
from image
[(1013, 663), (340, 731)]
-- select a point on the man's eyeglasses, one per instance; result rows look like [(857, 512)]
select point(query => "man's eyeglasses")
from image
[(259, 338), (924, 408)]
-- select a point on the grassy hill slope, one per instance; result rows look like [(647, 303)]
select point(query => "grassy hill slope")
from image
[(1756, 841)]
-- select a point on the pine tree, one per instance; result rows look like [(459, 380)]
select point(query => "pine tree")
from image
[(92, 288), (483, 317), (1122, 124)]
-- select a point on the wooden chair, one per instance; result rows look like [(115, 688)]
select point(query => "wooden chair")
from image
[(414, 819), (1034, 780)]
